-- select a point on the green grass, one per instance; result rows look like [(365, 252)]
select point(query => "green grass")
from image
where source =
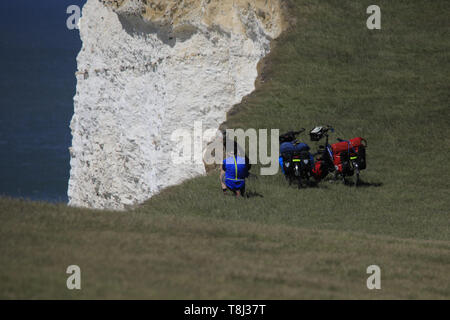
[(142, 255), (390, 86)]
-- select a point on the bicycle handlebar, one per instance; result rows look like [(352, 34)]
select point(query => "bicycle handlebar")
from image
[(328, 128), (291, 135), (298, 132)]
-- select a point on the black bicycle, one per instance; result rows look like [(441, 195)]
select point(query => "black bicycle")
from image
[(295, 159)]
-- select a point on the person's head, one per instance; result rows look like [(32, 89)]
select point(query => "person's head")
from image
[(235, 150)]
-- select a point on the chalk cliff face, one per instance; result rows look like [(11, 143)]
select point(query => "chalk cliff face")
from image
[(147, 68)]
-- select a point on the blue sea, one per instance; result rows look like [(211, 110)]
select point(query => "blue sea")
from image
[(37, 84)]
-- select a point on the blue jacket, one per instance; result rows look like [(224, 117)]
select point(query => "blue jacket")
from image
[(236, 170)]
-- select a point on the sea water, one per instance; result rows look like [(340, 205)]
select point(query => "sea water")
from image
[(37, 84)]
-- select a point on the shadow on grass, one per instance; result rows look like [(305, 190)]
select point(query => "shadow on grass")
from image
[(370, 184), (311, 184), (254, 194), (363, 184)]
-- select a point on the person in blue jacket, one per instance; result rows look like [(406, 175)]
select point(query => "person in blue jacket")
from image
[(234, 171)]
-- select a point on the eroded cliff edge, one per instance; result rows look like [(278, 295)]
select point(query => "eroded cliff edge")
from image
[(147, 68)]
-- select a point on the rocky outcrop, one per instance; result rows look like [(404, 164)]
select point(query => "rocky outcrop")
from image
[(147, 68)]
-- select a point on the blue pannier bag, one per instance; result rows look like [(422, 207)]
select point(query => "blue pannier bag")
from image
[(291, 147)]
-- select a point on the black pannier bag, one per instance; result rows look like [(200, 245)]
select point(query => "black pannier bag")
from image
[(362, 158)]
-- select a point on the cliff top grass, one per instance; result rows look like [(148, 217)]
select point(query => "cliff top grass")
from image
[(389, 86)]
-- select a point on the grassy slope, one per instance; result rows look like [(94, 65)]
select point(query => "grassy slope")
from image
[(390, 86)]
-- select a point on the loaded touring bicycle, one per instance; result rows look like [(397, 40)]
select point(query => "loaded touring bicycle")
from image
[(344, 159), (295, 159)]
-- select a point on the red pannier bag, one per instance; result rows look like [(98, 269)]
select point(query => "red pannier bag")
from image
[(318, 172), (352, 146), (354, 143)]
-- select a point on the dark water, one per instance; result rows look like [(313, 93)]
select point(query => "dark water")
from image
[(37, 85)]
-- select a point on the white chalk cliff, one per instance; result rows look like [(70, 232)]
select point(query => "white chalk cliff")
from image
[(147, 68)]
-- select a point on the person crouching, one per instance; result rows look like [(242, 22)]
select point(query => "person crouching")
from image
[(235, 170)]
